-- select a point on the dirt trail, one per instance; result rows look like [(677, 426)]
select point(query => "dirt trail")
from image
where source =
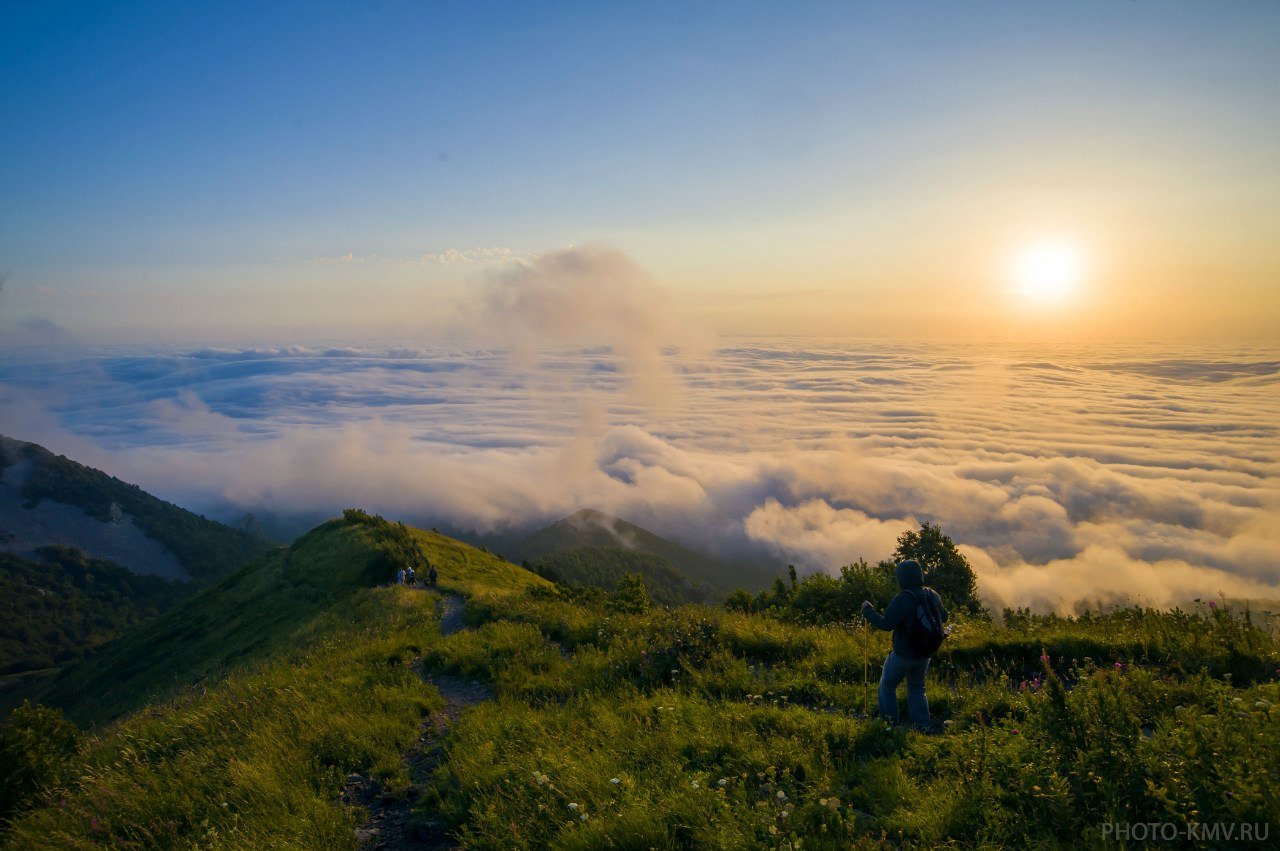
[(389, 826)]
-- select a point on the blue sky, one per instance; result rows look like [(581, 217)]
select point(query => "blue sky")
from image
[(179, 166)]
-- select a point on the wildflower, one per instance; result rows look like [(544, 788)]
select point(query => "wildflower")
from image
[(1213, 604), (1044, 657), (573, 806), (583, 816), (694, 784), (782, 796), (724, 781), (541, 779), (1119, 665), (1016, 731), (615, 781)]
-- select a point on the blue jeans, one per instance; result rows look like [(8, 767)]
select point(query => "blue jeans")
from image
[(897, 668)]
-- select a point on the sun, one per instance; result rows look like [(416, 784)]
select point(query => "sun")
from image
[(1048, 271)]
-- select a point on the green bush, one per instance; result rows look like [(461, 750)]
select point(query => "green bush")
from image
[(37, 747)]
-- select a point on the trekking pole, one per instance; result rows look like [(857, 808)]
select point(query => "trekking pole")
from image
[(864, 669)]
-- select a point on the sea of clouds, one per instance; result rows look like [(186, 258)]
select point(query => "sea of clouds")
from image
[(1069, 475)]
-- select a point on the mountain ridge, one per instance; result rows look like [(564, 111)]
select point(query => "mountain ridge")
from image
[(590, 529)]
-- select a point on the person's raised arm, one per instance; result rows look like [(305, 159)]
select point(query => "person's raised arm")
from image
[(898, 609)]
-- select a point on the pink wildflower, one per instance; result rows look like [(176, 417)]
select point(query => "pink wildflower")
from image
[(1119, 665), (1044, 657), (1213, 604)]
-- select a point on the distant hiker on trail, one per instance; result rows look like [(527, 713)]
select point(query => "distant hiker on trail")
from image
[(400, 576), (916, 616), (431, 575), (411, 576)]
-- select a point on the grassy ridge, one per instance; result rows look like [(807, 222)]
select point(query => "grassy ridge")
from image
[(269, 606), (272, 686), (692, 727)]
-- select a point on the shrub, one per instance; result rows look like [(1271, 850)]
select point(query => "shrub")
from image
[(37, 746)]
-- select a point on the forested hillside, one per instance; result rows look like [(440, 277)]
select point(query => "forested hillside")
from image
[(207, 550), (59, 609)]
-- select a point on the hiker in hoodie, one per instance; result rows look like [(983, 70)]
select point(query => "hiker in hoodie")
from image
[(915, 615)]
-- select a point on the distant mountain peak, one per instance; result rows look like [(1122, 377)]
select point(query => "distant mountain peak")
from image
[(589, 528), (624, 533)]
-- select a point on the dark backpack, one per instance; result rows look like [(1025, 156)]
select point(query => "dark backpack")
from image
[(923, 627)]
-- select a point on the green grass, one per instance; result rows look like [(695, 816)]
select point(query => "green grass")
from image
[(722, 729), (277, 603), (671, 703), (258, 761), (472, 571)]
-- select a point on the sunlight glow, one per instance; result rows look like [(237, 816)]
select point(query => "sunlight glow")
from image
[(1048, 271)]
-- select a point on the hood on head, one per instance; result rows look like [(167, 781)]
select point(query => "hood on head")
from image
[(909, 574)]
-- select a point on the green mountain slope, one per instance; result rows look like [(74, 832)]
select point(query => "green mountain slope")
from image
[(268, 690), (271, 605), (604, 567), (590, 529), (206, 550)]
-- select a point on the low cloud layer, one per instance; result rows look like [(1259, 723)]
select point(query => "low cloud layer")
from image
[(1068, 477)]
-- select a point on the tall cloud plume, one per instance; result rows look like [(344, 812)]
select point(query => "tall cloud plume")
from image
[(589, 296)]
